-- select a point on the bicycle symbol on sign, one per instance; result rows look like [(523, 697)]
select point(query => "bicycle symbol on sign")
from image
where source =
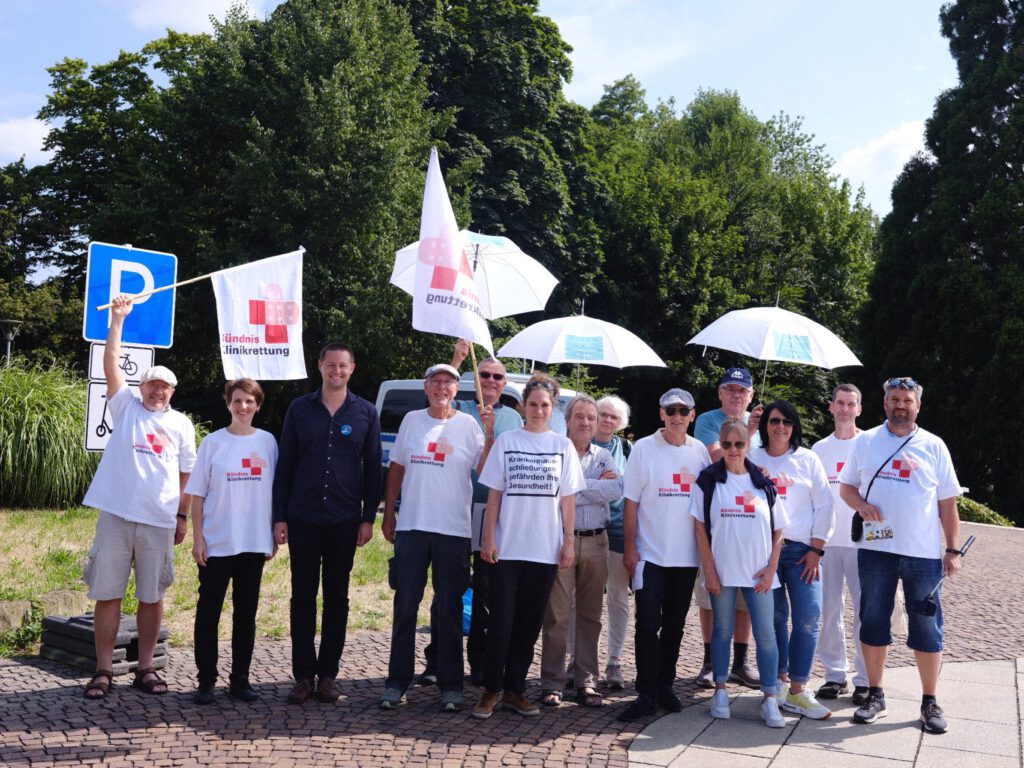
[(103, 428), (129, 366)]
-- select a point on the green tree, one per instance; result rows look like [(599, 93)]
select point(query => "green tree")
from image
[(947, 296)]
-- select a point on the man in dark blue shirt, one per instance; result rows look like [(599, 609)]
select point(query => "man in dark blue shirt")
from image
[(326, 492)]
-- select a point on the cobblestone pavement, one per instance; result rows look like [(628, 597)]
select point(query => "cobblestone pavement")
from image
[(45, 720)]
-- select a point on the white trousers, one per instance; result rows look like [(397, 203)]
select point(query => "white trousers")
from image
[(839, 573)]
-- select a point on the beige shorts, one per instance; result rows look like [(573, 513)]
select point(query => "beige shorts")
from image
[(119, 544), (700, 594)]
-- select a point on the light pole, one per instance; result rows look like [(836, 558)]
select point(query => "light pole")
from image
[(10, 328)]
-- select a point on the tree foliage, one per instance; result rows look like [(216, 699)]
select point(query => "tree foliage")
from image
[(948, 295)]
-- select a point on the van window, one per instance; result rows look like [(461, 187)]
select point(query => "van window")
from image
[(398, 403)]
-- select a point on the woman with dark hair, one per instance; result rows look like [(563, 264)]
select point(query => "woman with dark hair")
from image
[(533, 475), (806, 501), (232, 535)]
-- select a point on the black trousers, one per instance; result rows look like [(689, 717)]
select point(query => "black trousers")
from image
[(328, 551), (518, 597), (661, 608), (245, 572), (477, 640)]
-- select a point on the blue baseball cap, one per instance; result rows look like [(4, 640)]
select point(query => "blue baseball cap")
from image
[(739, 376)]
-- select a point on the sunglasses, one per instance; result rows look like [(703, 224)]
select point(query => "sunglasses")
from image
[(728, 445), (538, 385), (682, 410), (489, 375), (903, 382), (776, 420)]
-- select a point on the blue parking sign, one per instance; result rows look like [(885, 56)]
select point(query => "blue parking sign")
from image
[(116, 269)]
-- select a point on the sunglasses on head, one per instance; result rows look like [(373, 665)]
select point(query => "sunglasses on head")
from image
[(730, 444), (682, 410), (539, 385), (776, 420), (903, 382), (489, 375)]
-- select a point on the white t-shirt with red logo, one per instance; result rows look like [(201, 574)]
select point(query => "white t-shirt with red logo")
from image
[(804, 493), (661, 478), (533, 470), (235, 476), (741, 539), (438, 456), (907, 489), (833, 453), (138, 477)]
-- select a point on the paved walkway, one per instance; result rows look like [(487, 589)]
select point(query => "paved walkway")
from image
[(44, 719)]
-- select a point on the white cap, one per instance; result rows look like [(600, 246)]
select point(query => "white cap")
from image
[(441, 368), (160, 373)]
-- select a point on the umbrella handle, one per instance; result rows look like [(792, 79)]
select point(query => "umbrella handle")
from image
[(476, 376)]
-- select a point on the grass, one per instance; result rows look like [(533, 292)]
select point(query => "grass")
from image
[(44, 550)]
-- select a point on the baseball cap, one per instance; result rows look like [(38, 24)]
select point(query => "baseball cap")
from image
[(676, 396), (739, 376), (441, 368), (159, 373)]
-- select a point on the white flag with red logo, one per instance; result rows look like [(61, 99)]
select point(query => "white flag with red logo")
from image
[(444, 298), (259, 312)]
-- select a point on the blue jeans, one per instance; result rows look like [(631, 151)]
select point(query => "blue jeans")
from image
[(448, 560), (879, 572), (762, 609), (796, 648)]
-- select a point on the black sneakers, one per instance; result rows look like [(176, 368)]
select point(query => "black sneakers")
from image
[(932, 719), (872, 709), (832, 690)]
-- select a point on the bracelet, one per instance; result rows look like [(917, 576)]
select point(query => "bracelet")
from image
[(951, 551), (182, 517)]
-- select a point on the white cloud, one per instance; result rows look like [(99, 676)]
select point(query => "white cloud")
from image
[(877, 164), (183, 15), (23, 136)]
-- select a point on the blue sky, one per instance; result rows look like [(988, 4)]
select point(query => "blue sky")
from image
[(863, 75)]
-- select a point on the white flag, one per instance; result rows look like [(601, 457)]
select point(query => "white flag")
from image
[(444, 298), (259, 312)]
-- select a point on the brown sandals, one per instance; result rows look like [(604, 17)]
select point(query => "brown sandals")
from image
[(588, 697), (98, 688), (148, 681)]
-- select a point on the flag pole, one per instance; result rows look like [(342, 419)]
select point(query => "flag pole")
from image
[(476, 376), (184, 282)]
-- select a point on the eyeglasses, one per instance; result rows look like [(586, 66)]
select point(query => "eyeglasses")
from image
[(489, 375), (903, 382), (776, 420), (682, 410), (728, 445), (442, 381)]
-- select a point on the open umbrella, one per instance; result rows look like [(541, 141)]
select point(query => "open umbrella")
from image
[(581, 339), (508, 281), (771, 333)]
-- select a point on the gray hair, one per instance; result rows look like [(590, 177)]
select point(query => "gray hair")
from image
[(734, 425), (491, 361), (904, 381), (620, 406), (577, 401), (851, 388)]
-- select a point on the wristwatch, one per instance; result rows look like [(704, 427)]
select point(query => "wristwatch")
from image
[(820, 552)]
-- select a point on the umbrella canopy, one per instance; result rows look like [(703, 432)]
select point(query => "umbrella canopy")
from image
[(580, 339), (771, 333), (508, 281)]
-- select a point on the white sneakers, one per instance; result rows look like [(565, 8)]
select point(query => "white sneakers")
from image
[(720, 704), (805, 704), (770, 713)]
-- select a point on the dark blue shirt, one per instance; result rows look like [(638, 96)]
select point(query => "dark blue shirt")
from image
[(328, 467)]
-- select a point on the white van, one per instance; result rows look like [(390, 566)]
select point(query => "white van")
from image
[(397, 397)]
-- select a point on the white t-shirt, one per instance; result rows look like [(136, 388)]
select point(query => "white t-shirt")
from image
[(438, 456), (234, 474), (907, 490), (533, 470), (740, 537), (833, 453), (661, 478), (138, 477), (804, 493)]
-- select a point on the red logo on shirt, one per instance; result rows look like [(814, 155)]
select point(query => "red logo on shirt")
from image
[(157, 443), (683, 479), (440, 449), (903, 467), (839, 466), (274, 313), (746, 504), (255, 464), (782, 483)]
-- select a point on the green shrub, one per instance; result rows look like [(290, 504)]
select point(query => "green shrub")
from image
[(975, 512), (43, 462)]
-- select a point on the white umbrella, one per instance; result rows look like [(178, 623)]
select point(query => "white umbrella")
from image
[(580, 339), (508, 281), (771, 333)]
